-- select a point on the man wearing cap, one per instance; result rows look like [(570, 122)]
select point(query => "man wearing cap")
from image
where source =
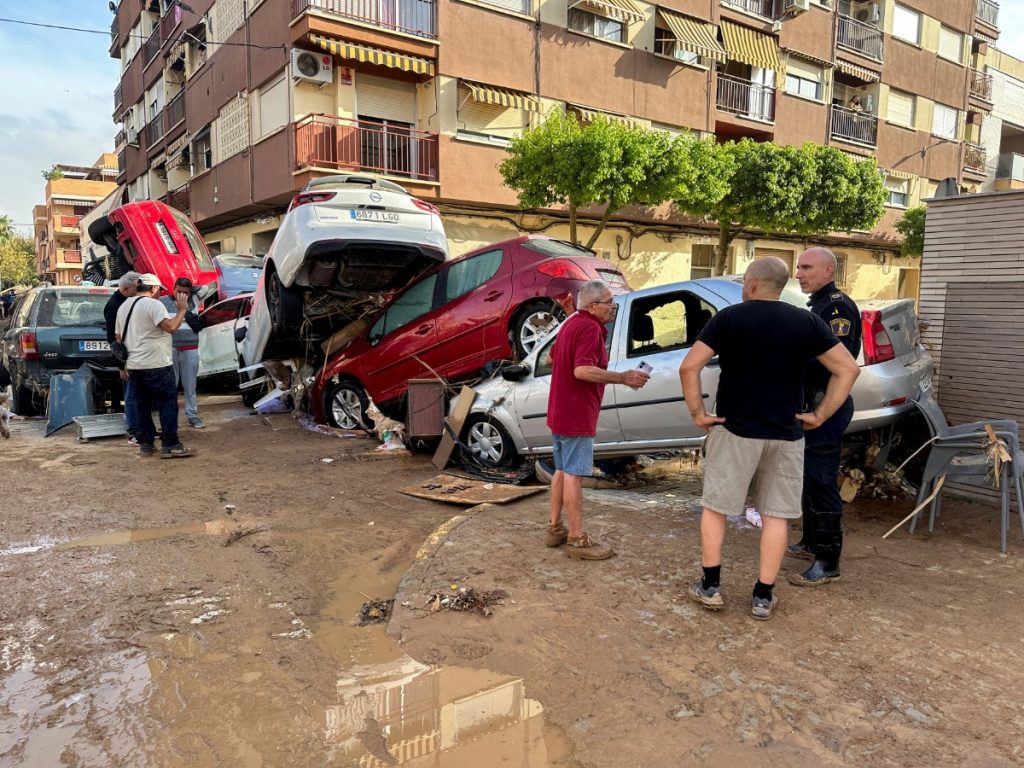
[(145, 328), (185, 344), (127, 286)]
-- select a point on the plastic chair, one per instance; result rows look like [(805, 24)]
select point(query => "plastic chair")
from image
[(959, 454)]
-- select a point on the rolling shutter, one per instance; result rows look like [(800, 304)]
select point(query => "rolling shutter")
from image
[(901, 108), (383, 99), (480, 117)]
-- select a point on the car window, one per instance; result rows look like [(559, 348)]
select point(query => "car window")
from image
[(666, 322), (556, 248), (544, 356), (223, 311), (22, 309), (61, 309), (464, 276), (195, 241), (415, 302)]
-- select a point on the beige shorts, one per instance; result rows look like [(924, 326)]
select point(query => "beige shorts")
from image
[(772, 470)]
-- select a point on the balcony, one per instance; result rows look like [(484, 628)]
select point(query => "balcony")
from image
[(1009, 171), (364, 145), (175, 112), (180, 198), (745, 98), (762, 8), (122, 167), (169, 21), (114, 36), (981, 85), (69, 257), (119, 138), (413, 17), (853, 126), (860, 37), (974, 158), (151, 47), (988, 12), (69, 223), (154, 131)]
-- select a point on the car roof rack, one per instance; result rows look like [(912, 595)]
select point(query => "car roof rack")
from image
[(339, 180)]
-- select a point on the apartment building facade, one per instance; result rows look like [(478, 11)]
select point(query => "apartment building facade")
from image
[(1001, 143), (57, 223), (229, 107)]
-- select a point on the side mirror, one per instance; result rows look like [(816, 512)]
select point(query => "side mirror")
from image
[(514, 372)]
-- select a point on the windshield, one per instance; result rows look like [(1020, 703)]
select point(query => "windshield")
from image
[(61, 309), (195, 241)]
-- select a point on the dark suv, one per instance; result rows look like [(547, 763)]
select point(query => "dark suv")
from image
[(55, 329)]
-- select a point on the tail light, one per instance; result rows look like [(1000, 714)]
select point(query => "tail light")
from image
[(27, 348), (562, 268), (877, 344), (310, 197), (424, 206)]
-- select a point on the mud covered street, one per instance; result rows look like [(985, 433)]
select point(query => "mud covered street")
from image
[(203, 612)]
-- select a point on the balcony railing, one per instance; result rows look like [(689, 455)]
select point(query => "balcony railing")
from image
[(746, 98), (851, 125), (860, 37), (70, 222), (151, 47), (415, 17), (122, 166), (981, 85), (154, 131), (365, 145), (974, 157), (180, 198), (764, 8), (70, 257), (169, 21), (988, 12), (119, 139), (175, 111), (114, 37)]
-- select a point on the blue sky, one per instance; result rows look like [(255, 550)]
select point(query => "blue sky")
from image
[(57, 92)]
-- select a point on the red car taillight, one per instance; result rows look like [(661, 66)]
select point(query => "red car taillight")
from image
[(27, 348), (311, 197), (423, 206), (877, 344), (562, 268)]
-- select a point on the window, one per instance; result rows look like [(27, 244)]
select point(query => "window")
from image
[(666, 44), (897, 191), (596, 26), (944, 121), (842, 261), (270, 108), (490, 121), (906, 24), (466, 275), (804, 78), (517, 6), (702, 261), (901, 108), (415, 302), (202, 154), (194, 240), (951, 44), (666, 322)]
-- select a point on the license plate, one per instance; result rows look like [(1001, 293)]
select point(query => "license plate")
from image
[(93, 346), (384, 216)]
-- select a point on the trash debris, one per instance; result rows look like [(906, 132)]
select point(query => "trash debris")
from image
[(466, 600), (229, 508), (852, 482), (326, 460), (390, 432), (241, 533), (277, 405), (306, 422), (753, 517), (375, 612)]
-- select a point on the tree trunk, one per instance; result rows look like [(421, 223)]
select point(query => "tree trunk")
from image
[(600, 227), (725, 237), (572, 223)]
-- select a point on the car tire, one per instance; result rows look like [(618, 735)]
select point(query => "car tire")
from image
[(489, 444), (284, 303), (532, 324), (345, 405), (22, 402)]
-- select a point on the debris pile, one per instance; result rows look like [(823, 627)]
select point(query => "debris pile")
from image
[(463, 599), (375, 612)]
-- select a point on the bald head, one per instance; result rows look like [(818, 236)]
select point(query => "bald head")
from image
[(769, 274), (815, 269)]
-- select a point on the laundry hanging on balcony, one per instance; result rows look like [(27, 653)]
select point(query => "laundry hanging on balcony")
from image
[(488, 94), (625, 11), (366, 54), (865, 75), (753, 48), (700, 37)]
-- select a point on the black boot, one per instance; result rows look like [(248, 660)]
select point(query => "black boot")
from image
[(817, 574), (828, 548), (804, 549)]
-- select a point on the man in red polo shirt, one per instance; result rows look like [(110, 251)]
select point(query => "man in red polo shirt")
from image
[(579, 362)]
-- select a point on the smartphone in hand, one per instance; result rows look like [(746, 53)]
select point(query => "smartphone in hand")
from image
[(644, 367)]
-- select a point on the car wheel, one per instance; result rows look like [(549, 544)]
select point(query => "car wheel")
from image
[(533, 323), (22, 402), (285, 306), (346, 405), (489, 443)]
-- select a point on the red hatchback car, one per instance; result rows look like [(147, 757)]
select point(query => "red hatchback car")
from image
[(493, 303)]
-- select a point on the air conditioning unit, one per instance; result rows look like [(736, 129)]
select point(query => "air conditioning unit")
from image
[(313, 67), (797, 6), (131, 137)]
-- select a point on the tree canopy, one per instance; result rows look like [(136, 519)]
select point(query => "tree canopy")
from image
[(911, 226), (17, 256), (53, 172)]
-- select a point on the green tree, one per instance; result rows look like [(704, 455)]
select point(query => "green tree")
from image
[(54, 172), (603, 163), (911, 226), (17, 256)]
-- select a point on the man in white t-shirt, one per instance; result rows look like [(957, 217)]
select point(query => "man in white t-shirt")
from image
[(147, 334)]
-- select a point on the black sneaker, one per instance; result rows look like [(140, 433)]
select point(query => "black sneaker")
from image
[(710, 598), (761, 607), (146, 449), (178, 451), (815, 576)]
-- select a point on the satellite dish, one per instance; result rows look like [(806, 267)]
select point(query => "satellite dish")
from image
[(947, 188)]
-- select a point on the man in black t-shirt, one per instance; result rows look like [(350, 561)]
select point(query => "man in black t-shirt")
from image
[(755, 439), (127, 287)]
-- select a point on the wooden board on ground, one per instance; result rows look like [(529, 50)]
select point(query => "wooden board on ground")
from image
[(455, 422), (460, 490)]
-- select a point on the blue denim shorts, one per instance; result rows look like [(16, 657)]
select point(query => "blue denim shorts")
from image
[(574, 455)]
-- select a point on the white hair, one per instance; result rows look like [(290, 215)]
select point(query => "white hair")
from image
[(129, 280), (591, 291)]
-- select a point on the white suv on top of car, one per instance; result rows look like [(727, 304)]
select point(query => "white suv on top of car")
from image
[(344, 239)]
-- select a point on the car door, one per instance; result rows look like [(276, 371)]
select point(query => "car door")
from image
[(217, 348), (474, 295), (531, 401), (659, 328)]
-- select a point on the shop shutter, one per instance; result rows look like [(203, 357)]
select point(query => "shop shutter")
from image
[(493, 119), (380, 98)]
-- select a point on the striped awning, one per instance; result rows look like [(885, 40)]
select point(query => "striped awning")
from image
[(624, 10), (366, 54), (488, 94), (859, 72), (75, 200), (587, 115), (177, 145), (750, 47), (810, 58), (898, 174), (693, 35)]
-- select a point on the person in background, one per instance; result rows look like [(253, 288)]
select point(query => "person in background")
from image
[(185, 346), (127, 286)]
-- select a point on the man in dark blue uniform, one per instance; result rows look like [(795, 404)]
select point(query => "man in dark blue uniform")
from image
[(822, 539)]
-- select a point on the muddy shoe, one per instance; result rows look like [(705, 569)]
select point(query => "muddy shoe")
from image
[(761, 608), (799, 550), (178, 451), (583, 547), (556, 536), (146, 449), (815, 576), (710, 598)]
